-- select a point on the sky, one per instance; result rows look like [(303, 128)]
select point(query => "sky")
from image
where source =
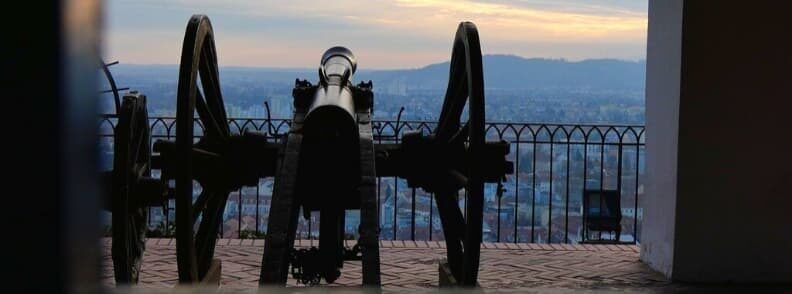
[(382, 34)]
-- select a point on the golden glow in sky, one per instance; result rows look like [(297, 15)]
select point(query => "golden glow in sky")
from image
[(384, 34)]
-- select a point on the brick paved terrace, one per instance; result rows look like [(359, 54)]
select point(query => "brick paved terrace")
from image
[(408, 265)]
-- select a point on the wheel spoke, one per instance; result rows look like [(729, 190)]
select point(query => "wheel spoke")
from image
[(455, 98), (211, 125), (460, 136), (206, 238), (200, 204), (473, 234), (211, 87), (453, 229)]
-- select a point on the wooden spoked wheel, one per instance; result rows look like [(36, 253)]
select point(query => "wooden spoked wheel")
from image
[(131, 163), (465, 86), (195, 249)]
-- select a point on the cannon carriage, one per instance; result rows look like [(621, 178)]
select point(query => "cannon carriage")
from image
[(327, 162)]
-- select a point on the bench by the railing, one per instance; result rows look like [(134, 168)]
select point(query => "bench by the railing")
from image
[(541, 203)]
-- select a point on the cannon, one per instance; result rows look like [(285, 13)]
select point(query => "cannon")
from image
[(129, 188), (213, 161), (327, 162), (328, 166)]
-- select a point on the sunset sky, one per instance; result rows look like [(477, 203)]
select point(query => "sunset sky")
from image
[(383, 34)]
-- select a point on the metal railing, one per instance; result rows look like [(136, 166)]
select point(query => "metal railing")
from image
[(541, 202)]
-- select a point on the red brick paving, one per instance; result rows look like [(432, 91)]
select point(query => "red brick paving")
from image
[(413, 265)]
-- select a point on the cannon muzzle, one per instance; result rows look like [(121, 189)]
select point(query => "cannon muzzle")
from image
[(338, 62), (331, 115)]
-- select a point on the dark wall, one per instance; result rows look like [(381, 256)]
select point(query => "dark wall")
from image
[(50, 216), (734, 180)]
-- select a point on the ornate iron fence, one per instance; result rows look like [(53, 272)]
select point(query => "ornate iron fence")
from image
[(541, 202)]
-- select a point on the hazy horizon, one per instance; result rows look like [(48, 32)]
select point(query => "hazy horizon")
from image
[(121, 62), (398, 34)]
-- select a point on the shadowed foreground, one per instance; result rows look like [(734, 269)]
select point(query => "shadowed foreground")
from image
[(408, 265)]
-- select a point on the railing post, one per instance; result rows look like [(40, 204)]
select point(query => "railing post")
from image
[(412, 225), (431, 215), (533, 191), (239, 212), (516, 185), (550, 194), (566, 206), (257, 208), (395, 207), (637, 176), (584, 230)]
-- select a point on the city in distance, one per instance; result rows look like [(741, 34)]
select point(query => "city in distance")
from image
[(607, 91), (520, 90)]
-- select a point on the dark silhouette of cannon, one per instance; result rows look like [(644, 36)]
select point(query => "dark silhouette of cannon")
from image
[(327, 162), (129, 187)]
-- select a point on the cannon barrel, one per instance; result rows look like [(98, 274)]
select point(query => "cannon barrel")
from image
[(329, 152), (331, 115), (330, 156)]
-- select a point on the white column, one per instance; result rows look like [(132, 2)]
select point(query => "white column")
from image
[(663, 63)]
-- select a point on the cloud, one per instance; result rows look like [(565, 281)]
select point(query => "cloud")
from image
[(398, 33)]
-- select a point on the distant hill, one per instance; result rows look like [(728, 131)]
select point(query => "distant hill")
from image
[(500, 72), (520, 89), (514, 72)]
